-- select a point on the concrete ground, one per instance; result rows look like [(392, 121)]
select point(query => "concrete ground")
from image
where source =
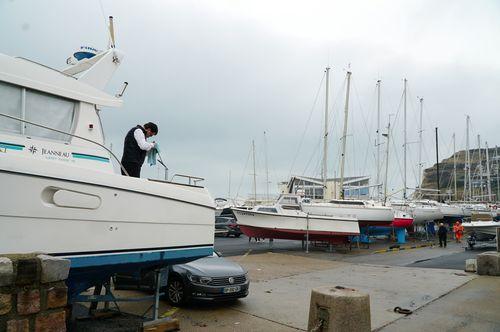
[(471, 307), (281, 282)]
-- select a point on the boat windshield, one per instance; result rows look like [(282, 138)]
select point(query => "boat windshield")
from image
[(290, 207), (347, 202)]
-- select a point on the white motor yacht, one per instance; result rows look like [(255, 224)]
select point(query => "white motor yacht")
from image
[(60, 192), (286, 220), (482, 226)]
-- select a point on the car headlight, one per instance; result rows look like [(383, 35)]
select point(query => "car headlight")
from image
[(198, 279)]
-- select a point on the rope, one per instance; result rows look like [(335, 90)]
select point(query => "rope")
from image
[(243, 174), (307, 125)]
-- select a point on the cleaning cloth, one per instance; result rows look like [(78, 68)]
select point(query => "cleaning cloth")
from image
[(152, 155)]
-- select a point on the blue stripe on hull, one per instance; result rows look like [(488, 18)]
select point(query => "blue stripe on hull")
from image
[(90, 157), (11, 146), (139, 257)]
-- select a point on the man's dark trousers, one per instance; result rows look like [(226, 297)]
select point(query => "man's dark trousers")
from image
[(133, 169), (442, 240)]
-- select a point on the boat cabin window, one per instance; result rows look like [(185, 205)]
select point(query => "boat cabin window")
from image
[(347, 202), (290, 207), (37, 107), (267, 209)]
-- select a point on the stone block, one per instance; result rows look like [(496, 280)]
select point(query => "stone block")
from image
[(55, 297), (53, 322), (28, 271), (488, 263), (339, 309), (471, 265), (28, 302), (6, 271), (21, 325), (53, 268), (5, 303)]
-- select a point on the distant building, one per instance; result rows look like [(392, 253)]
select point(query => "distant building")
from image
[(354, 187)]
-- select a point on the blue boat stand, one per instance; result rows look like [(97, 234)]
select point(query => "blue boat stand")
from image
[(108, 297)]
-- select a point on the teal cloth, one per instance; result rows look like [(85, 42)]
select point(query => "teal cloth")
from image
[(152, 155)]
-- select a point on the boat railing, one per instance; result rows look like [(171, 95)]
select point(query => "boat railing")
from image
[(192, 180), (69, 134)]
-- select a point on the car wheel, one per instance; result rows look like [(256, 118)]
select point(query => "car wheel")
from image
[(176, 292)]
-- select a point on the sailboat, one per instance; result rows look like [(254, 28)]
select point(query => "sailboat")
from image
[(367, 212), (60, 192)]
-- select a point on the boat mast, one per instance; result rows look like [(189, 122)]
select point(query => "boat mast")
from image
[(421, 100), (480, 166), (229, 187), (437, 166), (387, 159), (467, 179), (344, 135), (454, 168), (254, 175), (498, 184), (267, 168), (325, 136), (378, 139), (488, 178), (405, 139)]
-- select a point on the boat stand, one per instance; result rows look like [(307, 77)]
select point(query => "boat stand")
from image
[(108, 297)]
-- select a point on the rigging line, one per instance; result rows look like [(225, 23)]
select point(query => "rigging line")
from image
[(315, 151), (331, 126), (392, 135), (368, 130), (307, 124), (244, 172), (105, 20)]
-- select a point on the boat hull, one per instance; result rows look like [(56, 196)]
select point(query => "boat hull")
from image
[(103, 229), (488, 228), (268, 225)]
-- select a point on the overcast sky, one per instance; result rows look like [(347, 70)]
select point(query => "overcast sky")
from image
[(216, 74)]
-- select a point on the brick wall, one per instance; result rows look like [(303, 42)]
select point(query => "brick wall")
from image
[(33, 295)]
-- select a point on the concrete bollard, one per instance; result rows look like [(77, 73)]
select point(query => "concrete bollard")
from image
[(488, 263), (471, 265), (339, 309)]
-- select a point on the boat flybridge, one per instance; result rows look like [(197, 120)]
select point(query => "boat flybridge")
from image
[(60, 192), (286, 220)]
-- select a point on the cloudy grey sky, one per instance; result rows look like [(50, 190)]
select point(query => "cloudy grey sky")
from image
[(216, 74)]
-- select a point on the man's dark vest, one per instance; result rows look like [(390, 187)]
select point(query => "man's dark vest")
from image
[(132, 153)]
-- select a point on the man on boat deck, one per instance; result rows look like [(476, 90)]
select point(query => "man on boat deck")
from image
[(136, 147)]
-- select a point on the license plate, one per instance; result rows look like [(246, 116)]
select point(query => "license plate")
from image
[(232, 289)]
